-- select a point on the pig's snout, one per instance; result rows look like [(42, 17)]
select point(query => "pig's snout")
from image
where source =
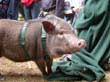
[(77, 45), (82, 43)]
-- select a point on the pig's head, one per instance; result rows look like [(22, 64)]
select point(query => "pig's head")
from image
[(61, 37)]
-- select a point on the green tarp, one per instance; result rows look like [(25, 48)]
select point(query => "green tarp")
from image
[(93, 25)]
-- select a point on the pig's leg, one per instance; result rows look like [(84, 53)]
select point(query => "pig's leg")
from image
[(49, 64), (48, 61), (41, 65)]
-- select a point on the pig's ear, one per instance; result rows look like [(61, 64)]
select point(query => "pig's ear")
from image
[(49, 27)]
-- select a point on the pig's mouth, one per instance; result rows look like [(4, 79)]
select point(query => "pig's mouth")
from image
[(72, 50), (60, 52), (57, 56)]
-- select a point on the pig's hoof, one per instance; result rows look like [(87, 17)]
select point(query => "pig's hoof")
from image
[(45, 74), (49, 72)]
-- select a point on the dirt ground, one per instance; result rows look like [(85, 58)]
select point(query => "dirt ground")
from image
[(25, 72)]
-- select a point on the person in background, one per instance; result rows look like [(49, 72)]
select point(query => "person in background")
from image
[(13, 9), (55, 7), (69, 14), (77, 6), (31, 9), (3, 8), (62, 8)]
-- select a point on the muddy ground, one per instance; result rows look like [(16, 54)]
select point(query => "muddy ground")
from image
[(25, 72)]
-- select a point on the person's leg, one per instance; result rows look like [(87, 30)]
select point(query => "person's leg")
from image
[(27, 13), (59, 8), (13, 9), (21, 9), (35, 11), (46, 5)]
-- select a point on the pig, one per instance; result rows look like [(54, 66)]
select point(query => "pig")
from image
[(20, 46)]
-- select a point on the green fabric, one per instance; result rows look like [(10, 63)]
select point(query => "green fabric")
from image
[(93, 25)]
